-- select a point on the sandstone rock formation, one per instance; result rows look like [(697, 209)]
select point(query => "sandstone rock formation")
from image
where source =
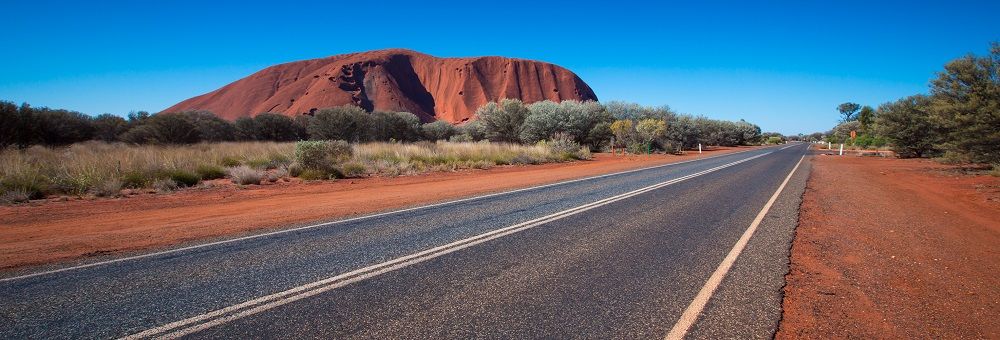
[(449, 89)]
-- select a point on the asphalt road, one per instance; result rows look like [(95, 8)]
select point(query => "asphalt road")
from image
[(617, 256)]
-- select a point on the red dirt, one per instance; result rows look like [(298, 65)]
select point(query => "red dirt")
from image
[(449, 89), (890, 248), (45, 232)]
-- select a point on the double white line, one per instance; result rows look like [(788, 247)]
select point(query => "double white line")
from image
[(238, 311)]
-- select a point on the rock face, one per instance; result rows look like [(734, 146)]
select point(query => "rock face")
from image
[(449, 89)]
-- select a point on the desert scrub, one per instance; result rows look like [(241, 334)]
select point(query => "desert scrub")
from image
[(244, 175), (95, 168), (83, 168), (210, 171), (322, 154)]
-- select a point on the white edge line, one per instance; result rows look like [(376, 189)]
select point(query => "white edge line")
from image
[(253, 306), (698, 304), (331, 223)]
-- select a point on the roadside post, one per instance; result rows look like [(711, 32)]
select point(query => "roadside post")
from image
[(829, 145), (841, 149), (699, 147)]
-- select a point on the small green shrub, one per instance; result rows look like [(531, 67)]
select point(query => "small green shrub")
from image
[(136, 179), (353, 169), (636, 148), (996, 170), (313, 175), (209, 171), (231, 162), (322, 155), (181, 177), (294, 169)]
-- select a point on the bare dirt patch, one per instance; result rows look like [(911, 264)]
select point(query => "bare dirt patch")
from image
[(890, 248), (45, 232)]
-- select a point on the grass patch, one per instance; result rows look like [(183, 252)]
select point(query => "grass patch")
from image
[(103, 169)]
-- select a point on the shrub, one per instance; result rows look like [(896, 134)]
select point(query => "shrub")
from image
[(348, 122), (107, 127), (322, 155), (164, 185), (182, 178), (244, 175), (209, 171), (136, 179), (438, 130), (953, 158), (502, 122), (108, 188), (907, 124), (313, 175), (775, 140), (274, 127), (294, 169), (400, 126), (229, 161), (353, 169)]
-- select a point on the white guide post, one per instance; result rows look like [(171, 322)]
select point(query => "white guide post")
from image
[(841, 149), (699, 147)]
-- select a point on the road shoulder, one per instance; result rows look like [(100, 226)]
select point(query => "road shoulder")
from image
[(890, 248)]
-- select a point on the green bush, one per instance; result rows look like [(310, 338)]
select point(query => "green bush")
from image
[(353, 169), (313, 175), (183, 178), (231, 162), (209, 171), (322, 155), (136, 179)]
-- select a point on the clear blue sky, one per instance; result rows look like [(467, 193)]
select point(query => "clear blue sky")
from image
[(784, 66)]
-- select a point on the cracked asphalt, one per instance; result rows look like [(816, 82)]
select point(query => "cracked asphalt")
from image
[(621, 270)]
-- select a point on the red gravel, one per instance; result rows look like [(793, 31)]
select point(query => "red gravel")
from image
[(890, 248)]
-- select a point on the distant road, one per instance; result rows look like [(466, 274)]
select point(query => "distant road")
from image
[(696, 249)]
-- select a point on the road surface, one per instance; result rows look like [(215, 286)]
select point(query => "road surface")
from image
[(696, 249)]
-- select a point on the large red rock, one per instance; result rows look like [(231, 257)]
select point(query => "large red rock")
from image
[(449, 89)]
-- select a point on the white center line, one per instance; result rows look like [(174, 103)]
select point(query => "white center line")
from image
[(214, 318), (698, 304)]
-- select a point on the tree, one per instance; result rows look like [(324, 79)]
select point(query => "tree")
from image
[(848, 110), (274, 127), (624, 131), (909, 127), (211, 128), (866, 117), (107, 127), (650, 129), (61, 127), (246, 128), (400, 126), (348, 123), (173, 128), (10, 122), (503, 121), (438, 130), (966, 104)]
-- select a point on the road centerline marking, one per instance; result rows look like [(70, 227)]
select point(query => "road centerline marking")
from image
[(693, 310), (221, 316)]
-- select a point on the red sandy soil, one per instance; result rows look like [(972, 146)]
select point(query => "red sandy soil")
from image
[(449, 89), (891, 248), (44, 232)]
